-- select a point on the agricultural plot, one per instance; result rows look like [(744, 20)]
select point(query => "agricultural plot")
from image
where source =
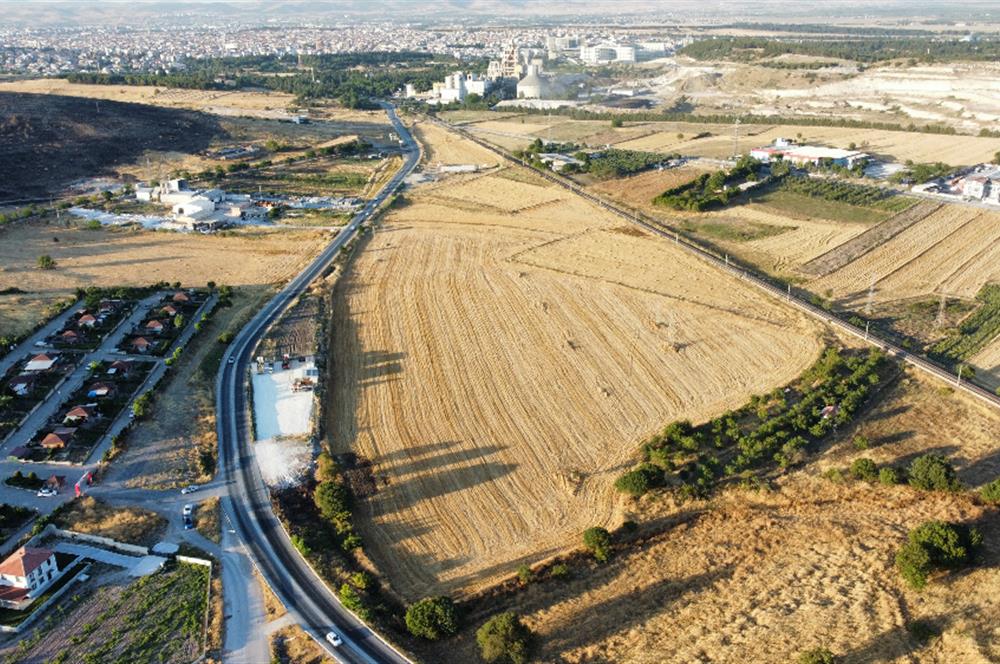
[(911, 262), (156, 618), (500, 367), (443, 147), (987, 364), (95, 258)]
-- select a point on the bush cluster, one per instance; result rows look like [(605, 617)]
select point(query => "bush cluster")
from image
[(936, 545)]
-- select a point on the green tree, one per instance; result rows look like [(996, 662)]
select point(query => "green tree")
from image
[(432, 618), (333, 501), (817, 656), (327, 469), (46, 262), (639, 480), (932, 472), (616, 122), (935, 545), (179, 321), (505, 639), (598, 542), (888, 476)]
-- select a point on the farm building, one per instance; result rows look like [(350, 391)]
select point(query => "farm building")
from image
[(808, 154)]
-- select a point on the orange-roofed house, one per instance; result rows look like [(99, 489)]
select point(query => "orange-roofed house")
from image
[(24, 575), (181, 296), (86, 320), (58, 439)]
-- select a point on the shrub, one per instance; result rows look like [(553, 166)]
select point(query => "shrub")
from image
[(46, 262), (504, 638), (524, 574), (639, 480), (991, 492), (333, 501), (888, 476), (817, 656), (559, 571), (932, 472), (936, 545), (861, 443), (864, 469), (432, 618), (598, 542)]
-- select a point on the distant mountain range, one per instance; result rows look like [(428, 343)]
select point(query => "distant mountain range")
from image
[(133, 12)]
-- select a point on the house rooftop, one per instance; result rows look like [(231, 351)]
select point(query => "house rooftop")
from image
[(24, 561)]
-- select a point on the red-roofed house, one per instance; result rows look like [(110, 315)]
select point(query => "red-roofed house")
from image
[(58, 439), (169, 310), (140, 344), (41, 362), (25, 575), (86, 320), (79, 414), (70, 337), (123, 367), (154, 326), (99, 390), (181, 296)]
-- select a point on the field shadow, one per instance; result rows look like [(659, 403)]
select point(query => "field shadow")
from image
[(585, 626), (982, 470), (891, 645)]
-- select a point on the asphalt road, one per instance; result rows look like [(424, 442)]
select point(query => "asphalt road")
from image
[(789, 296), (248, 506)]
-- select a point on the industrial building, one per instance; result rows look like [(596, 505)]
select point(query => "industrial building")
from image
[(606, 53), (532, 86), (801, 155)]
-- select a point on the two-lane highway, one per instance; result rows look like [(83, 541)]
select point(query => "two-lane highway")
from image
[(248, 506)]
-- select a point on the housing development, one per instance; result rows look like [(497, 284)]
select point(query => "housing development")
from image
[(500, 332)]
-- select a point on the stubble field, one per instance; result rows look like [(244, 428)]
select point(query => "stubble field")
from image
[(501, 362), (953, 251)]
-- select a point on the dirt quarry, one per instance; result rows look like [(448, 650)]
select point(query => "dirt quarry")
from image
[(505, 346)]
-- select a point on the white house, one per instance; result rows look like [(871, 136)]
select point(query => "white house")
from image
[(146, 194), (196, 209), (24, 575), (976, 186), (41, 362)]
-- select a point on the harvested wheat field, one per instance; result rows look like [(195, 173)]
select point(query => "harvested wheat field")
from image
[(953, 251), (119, 257), (761, 577), (638, 191), (501, 367), (443, 147), (987, 365)]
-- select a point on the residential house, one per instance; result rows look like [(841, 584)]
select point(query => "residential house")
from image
[(80, 414), (25, 575), (71, 337), (42, 362), (22, 385), (122, 367), (58, 439), (181, 296), (154, 326), (107, 306), (169, 310), (86, 320), (140, 344), (100, 390), (976, 186)]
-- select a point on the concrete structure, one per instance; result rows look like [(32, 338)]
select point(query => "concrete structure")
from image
[(196, 209), (508, 66), (557, 161), (532, 86), (808, 154), (606, 53), (24, 575)]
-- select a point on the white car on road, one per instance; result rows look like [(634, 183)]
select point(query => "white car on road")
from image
[(46, 492), (190, 488), (188, 509), (334, 640)]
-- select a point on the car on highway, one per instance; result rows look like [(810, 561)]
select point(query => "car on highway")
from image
[(188, 509), (190, 488), (334, 640), (46, 492)]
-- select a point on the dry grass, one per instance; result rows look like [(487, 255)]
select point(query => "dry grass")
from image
[(953, 251), (919, 415), (987, 365), (272, 605), (206, 519), (638, 191), (125, 524), (762, 577), (163, 453), (291, 645), (114, 257), (500, 368)]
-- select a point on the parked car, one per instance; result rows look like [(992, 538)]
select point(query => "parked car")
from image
[(190, 488), (46, 492), (334, 640), (188, 523), (188, 509)]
